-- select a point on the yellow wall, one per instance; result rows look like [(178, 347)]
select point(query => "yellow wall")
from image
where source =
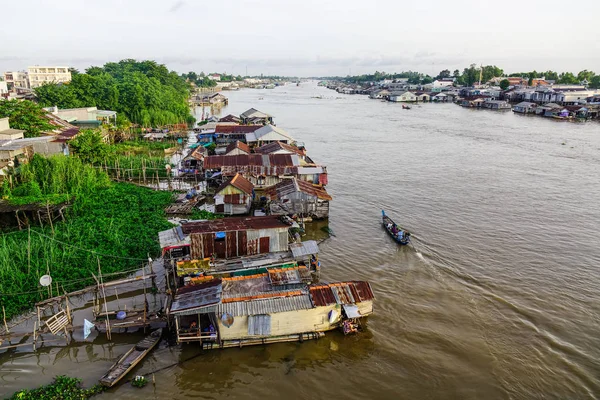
[(230, 189), (285, 323), (292, 322)]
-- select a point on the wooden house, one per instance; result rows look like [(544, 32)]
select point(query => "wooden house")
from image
[(237, 148), (226, 134), (293, 196), (255, 117), (403, 96), (234, 197), (525, 107), (277, 306), (231, 118), (237, 236)]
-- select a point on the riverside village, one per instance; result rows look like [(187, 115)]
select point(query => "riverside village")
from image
[(137, 209), (237, 196)]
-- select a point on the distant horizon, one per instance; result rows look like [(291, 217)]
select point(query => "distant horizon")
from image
[(351, 70)]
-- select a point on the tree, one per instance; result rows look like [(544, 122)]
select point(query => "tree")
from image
[(504, 84), (567, 78), (551, 75), (456, 73), (25, 115), (145, 92), (595, 82), (470, 75), (426, 80), (585, 75), (443, 74), (89, 147)]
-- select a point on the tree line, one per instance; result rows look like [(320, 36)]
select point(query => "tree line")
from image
[(474, 73), (203, 81), (143, 92)]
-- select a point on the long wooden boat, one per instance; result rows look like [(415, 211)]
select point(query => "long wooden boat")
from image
[(130, 359), (400, 235)]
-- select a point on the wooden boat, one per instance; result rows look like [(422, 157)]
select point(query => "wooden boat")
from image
[(399, 234), (130, 359), (405, 107)]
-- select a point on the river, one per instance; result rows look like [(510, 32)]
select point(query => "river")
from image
[(498, 299)]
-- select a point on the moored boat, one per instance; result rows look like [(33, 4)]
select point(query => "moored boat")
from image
[(399, 234), (405, 107), (130, 359)]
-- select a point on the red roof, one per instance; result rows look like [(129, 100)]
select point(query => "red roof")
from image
[(239, 129), (230, 118), (238, 145), (259, 163), (239, 182), (234, 224), (341, 293)]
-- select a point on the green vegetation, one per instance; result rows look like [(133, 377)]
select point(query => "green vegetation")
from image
[(203, 214), (125, 160), (139, 381), (63, 388), (145, 92), (116, 223), (504, 84), (203, 81), (25, 115), (471, 74)]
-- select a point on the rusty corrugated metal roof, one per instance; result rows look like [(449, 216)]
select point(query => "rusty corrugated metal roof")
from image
[(288, 276), (237, 145), (341, 293), (238, 181), (289, 186), (276, 146), (234, 224), (235, 129), (196, 296)]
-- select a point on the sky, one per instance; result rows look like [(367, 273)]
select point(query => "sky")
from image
[(303, 38)]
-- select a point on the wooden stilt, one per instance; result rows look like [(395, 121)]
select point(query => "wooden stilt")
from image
[(4, 317)]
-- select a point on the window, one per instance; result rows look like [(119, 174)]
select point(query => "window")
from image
[(259, 325)]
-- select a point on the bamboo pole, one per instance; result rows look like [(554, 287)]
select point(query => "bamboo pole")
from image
[(4, 317), (108, 335), (50, 217), (28, 250)]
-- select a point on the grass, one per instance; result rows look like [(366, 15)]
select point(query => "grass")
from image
[(116, 223), (63, 388)]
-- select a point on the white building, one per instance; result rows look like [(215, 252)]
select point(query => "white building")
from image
[(403, 97), (3, 88), (440, 83), (39, 75), (215, 77), (16, 79)]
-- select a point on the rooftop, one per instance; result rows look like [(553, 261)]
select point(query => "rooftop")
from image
[(277, 146), (238, 145), (266, 130), (252, 160), (239, 182), (234, 224), (293, 185), (242, 129), (254, 113)]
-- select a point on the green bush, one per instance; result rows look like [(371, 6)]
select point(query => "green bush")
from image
[(63, 388)]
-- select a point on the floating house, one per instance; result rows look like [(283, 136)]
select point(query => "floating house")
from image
[(237, 236), (255, 117), (268, 134), (276, 306), (234, 197), (226, 134), (293, 196), (231, 118), (496, 105), (407, 97), (525, 107)]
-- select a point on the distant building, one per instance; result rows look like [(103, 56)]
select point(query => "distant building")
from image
[(215, 77), (268, 134), (444, 82), (16, 79), (525, 107), (237, 148), (41, 75), (403, 97), (255, 117), (3, 89), (85, 117), (293, 196)]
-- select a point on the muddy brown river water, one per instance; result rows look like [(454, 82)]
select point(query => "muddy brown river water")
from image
[(500, 299)]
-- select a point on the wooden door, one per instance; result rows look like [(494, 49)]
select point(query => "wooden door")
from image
[(264, 244)]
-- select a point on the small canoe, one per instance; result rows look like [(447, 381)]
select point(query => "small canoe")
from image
[(405, 107), (400, 235), (130, 359)]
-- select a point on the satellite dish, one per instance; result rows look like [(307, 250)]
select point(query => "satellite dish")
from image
[(46, 280), (227, 319)]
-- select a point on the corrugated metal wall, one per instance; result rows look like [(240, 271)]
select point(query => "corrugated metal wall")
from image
[(240, 243)]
